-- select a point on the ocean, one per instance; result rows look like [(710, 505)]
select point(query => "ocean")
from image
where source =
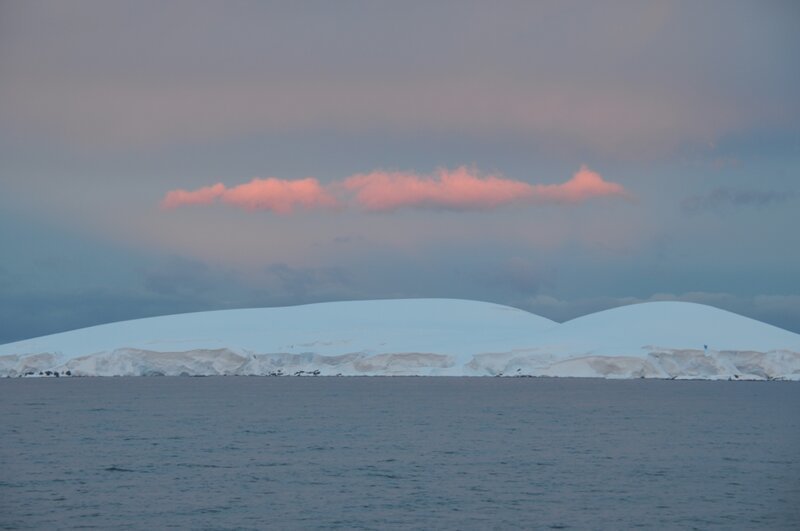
[(398, 453)]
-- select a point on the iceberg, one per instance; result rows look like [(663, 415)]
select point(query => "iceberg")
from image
[(420, 337)]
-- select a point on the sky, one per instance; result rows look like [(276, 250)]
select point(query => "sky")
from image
[(560, 157)]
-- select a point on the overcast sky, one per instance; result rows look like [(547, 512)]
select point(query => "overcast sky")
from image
[(561, 157)]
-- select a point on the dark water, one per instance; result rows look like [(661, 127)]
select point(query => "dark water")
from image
[(378, 453)]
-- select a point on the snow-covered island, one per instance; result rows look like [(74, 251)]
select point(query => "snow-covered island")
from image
[(420, 337)]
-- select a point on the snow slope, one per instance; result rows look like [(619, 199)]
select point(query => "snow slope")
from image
[(405, 329), (657, 340), (422, 337)]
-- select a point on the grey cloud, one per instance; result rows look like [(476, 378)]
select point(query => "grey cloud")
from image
[(174, 285), (182, 277), (28, 314), (348, 239), (724, 197), (197, 284), (519, 275), (132, 74), (780, 310), (218, 287), (297, 285)]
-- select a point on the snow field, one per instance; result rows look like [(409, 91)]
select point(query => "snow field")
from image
[(421, 337)]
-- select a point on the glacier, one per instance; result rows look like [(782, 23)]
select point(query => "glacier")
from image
[(420, 337)]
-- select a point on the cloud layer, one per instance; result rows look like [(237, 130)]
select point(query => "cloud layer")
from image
[(382, 191), (277, 195), (458, 189), (667, 74), (726, 197)]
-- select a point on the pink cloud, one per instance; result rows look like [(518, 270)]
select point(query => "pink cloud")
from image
[(201, 196), (459, 189), (278, 195), (465, 189), (584, 185)]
